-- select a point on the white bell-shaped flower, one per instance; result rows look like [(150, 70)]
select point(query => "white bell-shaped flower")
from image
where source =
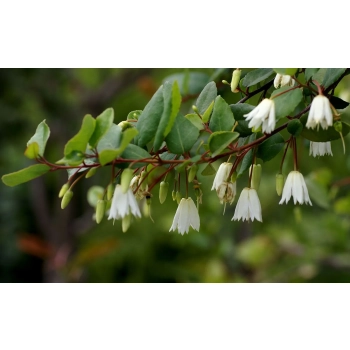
[(123, 204), (248, 206), (263, 114), (221, 175), (320, 149), (295, 187), (283, 80), (320, 113), (186, 215)]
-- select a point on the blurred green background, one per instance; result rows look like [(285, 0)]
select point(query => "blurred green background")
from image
[(39, 242)]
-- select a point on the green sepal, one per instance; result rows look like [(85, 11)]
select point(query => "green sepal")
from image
[(25, 175)]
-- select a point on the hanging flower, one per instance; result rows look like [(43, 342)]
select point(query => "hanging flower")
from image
[(227, 192), (295, 186), (283, 80), (186, 215), (123, 204), (320, 148), (320, 113), (221, 175), (263, 114), (248, 206)]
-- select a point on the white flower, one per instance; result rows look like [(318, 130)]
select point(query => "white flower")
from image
[(123, 204), (320, 113), (320, 148), (248, 206), (186, 215), (283, 80), (295, 186), (227, 192), (263, 113), (221, 175)]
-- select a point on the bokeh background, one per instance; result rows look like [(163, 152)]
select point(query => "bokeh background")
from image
[(39, 242)]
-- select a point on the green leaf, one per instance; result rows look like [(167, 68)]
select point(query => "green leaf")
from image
[(107, 155), (195, 120), (238, 111), (190, 83), (182, 136), (208, 170), (222, 117), (25, 175), (338, 103), (41, 136), (309, 72), (134, 115), (206, 97), (206, 115), (149, 119), (219, 140), (331, 76), (103, 122), (246, 163), (342, 205), (175, 107), (319, 75), (32, 151), (80, 140), (270, 147), (286, 71), (135, 152), (256, 76), (172, 102), (322, 135), (110, 140), (94, 194), (286, 103)]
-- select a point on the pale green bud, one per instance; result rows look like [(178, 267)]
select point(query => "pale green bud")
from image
[(338, 126), (91, 172), (100, 210), (195, 109), (126, 177), (66, 198), (178, 197), (236, 76), (192, 173), (279, 183), (125, 125), (256, 176), (110, 191), (225, 82), (63, 190), (126, 222), (163, 191), (234, 176), (173, 195)]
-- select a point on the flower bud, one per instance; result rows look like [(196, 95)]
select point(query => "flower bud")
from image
[(110, 191), (163, 191), (279, 183), (100, 210), (338, 126), (91, 172), (234, 176), (195, 109), (126, 222), (192, 173), (236, 76), (178, 197), (125, 125), (126, 177), (63, 190), (173, 195), (256, 176), (66, 198), (225, 82)]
